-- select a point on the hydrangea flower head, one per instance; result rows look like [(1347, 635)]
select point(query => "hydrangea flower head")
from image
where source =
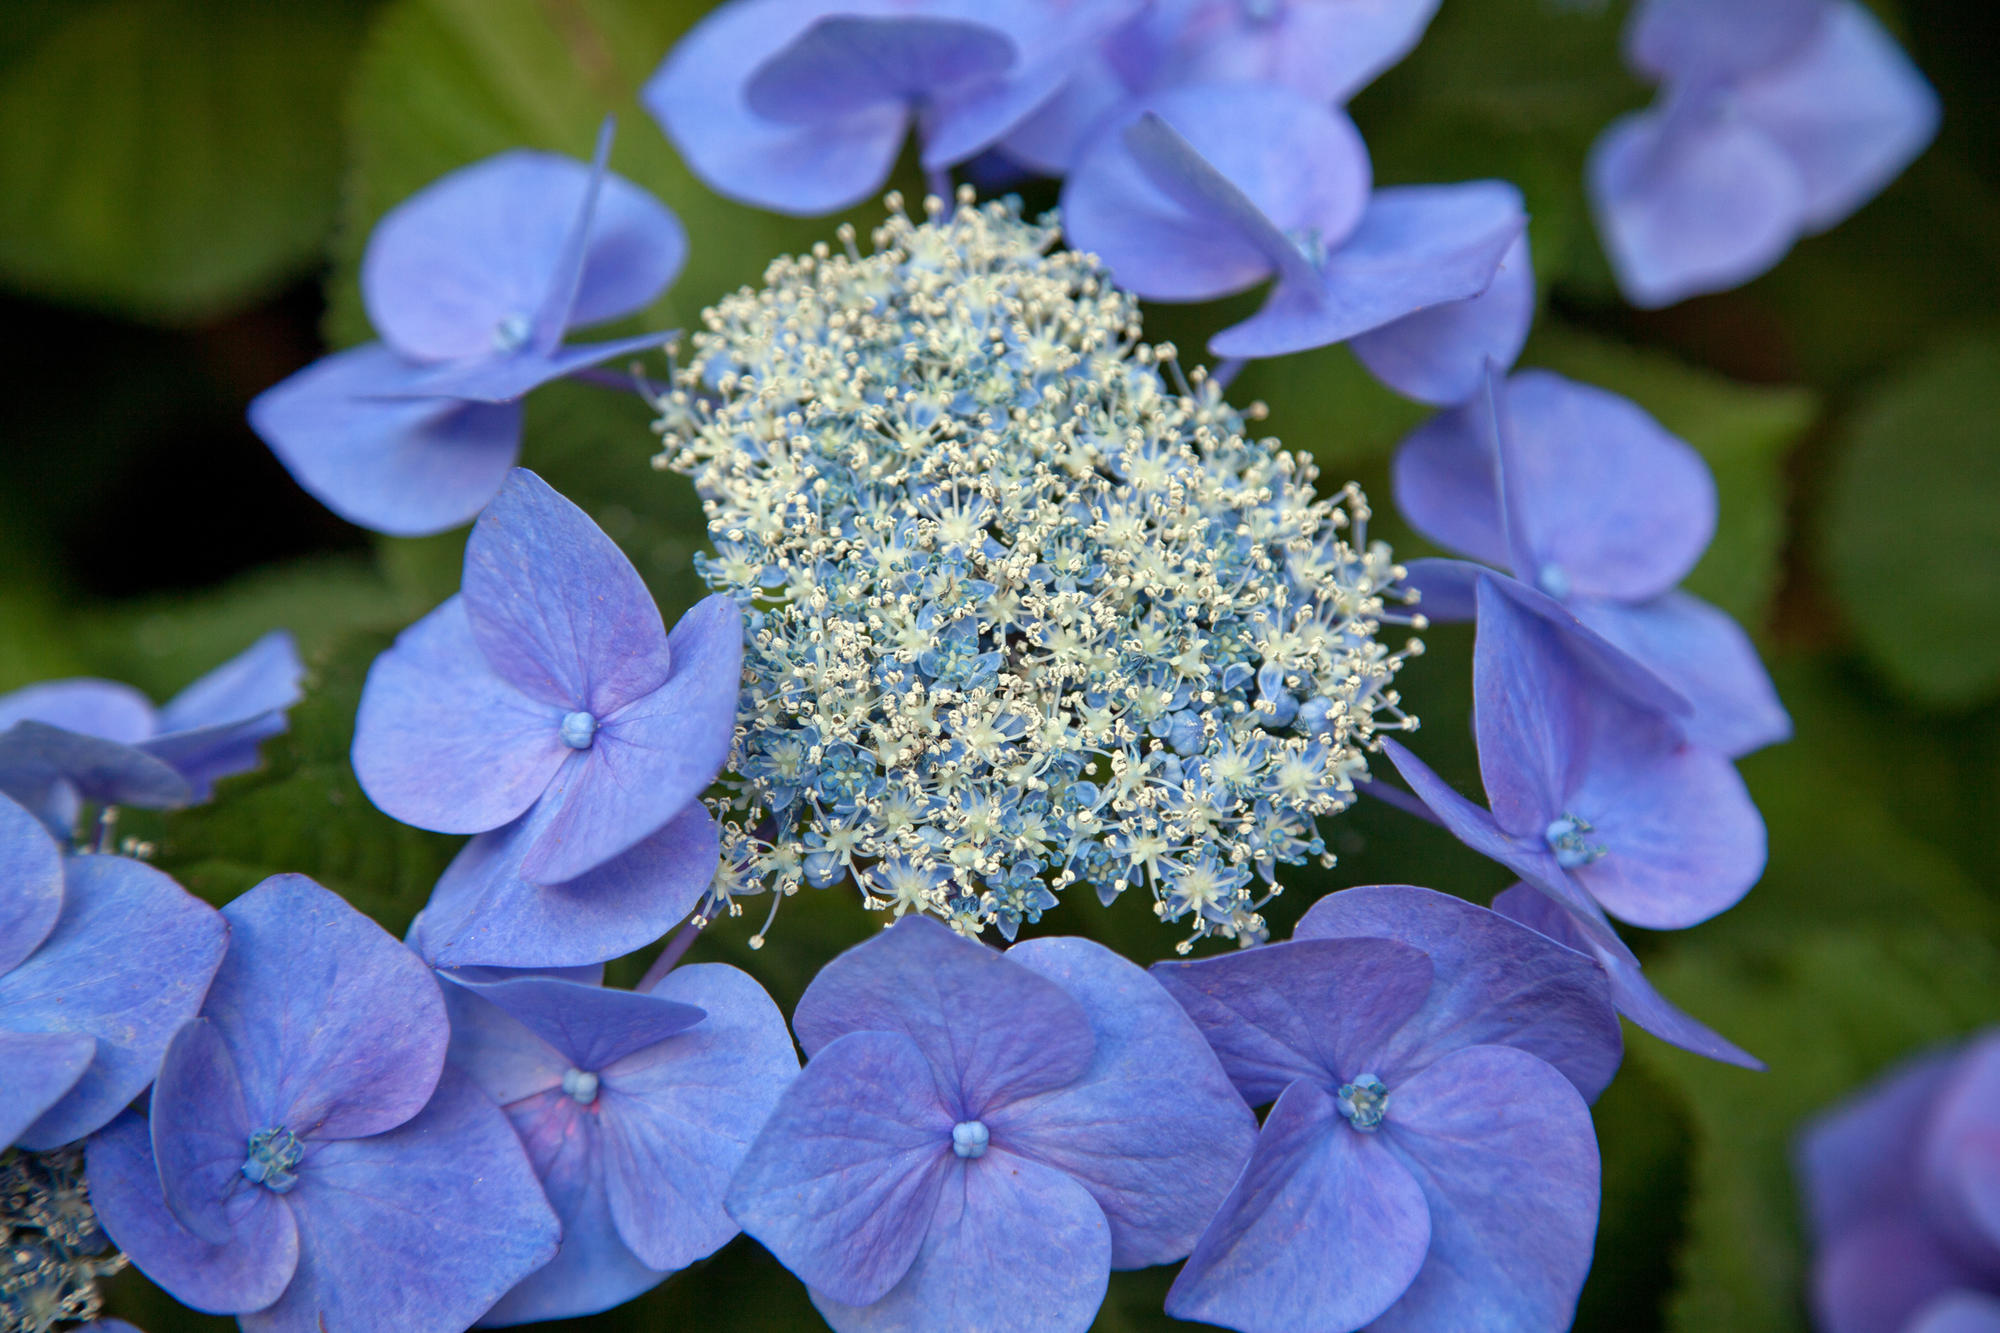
[(311, 1162), (1204, 191), (1777, 121), (1902, 1189), (52, 1252), (547, 707), (1581, 494), (1429, 1161), (979, 1138), (101, 961), (472, 284), (1021, 616), (1595, 797), (636, 1108), (63, 742)]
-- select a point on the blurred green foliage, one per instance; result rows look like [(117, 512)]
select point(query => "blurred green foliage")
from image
[(180, 161)]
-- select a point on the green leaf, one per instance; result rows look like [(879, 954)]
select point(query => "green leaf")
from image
[(171, 158), (1829, 1010), (1909, 539), (1745, 432)]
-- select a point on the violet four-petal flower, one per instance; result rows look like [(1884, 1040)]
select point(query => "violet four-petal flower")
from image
[(1429, 1161), (546, 708), (311, 1162), (101, 961), (979, 1138), (472, 284), (1580, 493), (1203, 191), (1902, 1187), (1596, 797), (636, 1108)]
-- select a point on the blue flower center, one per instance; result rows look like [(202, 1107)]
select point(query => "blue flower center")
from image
[(511, 333), (272, 1159), (579, 729), (1554, 580), (1364, 1102), (1311, 243), (1566, 839), (581, 1085), (1262, 11), (969, 1138)]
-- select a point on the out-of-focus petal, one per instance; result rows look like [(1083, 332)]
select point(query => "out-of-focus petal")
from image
[(31, 884), (406, 467), (41, 764), (1711, 39), (41, 1068), (1705, 655), (1013, 1246), (1053, 137), (1448, 587), (949, 995), (248, 1274), (848, 63), (1285, 1254), (1437, 355), (93, 707), (1507, 1157), (1961, 1157), (263, 677), (1326, 52), (1154, 1129), (1318, 1011), (1876, 1277), (1958, 1312), (127, 963), (505, 379), (443, 743), (337, 1029), (841, 1182), (1444, 482), (1863, 1158), (443, 1214), (201, 1131)]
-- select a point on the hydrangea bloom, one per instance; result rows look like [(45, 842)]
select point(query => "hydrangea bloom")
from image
[(1777, 121), (63, 742), (52, 1252), (978, 1138), (1022, 616), (1582, 494), (1902, 1186), (547, 708), (472, 284), (635, 1108), (1429, 1161), (101, 960), (802, 105), (1596, 799), (1204, 191), (311, 1162)]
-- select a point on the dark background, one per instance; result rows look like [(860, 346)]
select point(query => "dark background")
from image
[(185, 186)]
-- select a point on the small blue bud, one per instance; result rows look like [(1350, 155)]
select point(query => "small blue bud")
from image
[(1565, 837), (579, 729), (969, 1138), (511, 333), (581, 1085), (1553, 579)]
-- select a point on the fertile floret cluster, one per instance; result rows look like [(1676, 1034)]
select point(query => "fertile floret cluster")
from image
[(51, 1250), (1021, 614)]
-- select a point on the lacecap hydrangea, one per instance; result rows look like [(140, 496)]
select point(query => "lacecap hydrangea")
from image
[(1026, 608)]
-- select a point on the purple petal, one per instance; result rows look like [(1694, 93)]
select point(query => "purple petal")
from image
[(1318, 1011), (1449, 588), (1708, 39), (590, 1026), (1438, 355), (1961, 1156), (1012, 1247), (651, 758), (1615, 674), (1849, 110), (506, 379), (993, 1031), (1416, 247), (1202, 205), (846, 64), (406, 467), (1507, 1157), (555, 607), (484, 912), (1863, 1159), (1052, 139), (698, 98), (201, 1132), (1690, 201), (594, 1270), (1153, 1129), (841, 1182), (443, 1214), (247, 1274), (92, 707), (128, 963), (679, 1117), (31, 884), (38, 762), (263, 677), (443, 743), (1324, 1230), (508, 1062), (41, 1068), (337, 1029), (1444, 480), (1059, 47), (1876, 1277), (1498, 983), (1958, 1312), (461, 268), (1705, 656), (1327, 52)]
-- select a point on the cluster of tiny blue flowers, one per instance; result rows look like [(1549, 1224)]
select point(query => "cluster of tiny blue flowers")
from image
[(54, 1252), (1026, 609)]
